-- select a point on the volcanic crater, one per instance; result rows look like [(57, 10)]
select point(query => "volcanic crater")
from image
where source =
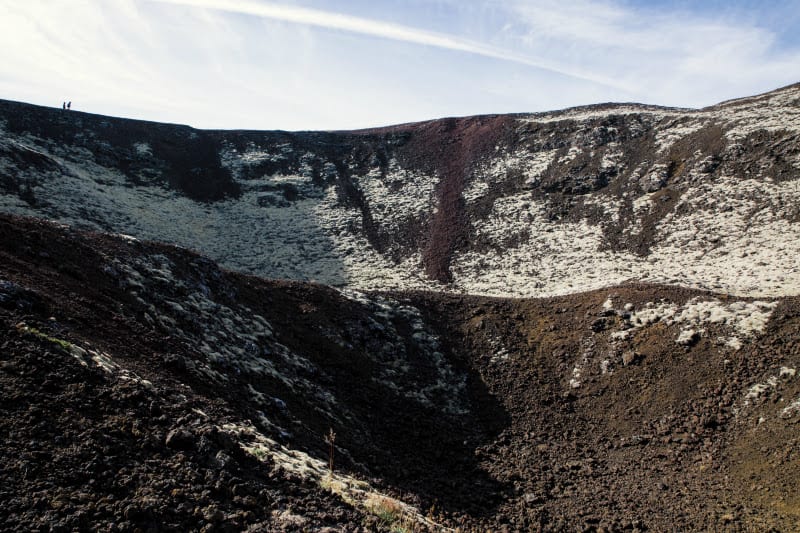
[(583, 320)]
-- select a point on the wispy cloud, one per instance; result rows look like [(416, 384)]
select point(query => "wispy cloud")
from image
[(266, 64), (669, 56), (376, 28), (673, 56)]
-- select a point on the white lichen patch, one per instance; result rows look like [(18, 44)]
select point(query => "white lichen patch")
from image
[(777, 111), (353, 491), (584, 365), (739, 319), (570, 156), (500, 356), (312, 238), (143, 149), (530, 255), (528, 165), (653, 312), (675, 130), (612, 158), (398, 196), (642, 204), (103, 361), (734, 343), (619, 336), (126, 238), (353, 258), (734, 236), (791, 409), (235, 160), (477, 189), (581, 114), (575, 380), (759, 389), (608, 205), (534, 165), (689, 336), (756, 393)]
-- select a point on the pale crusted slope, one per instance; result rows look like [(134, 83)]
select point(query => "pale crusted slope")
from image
[(734, 229), (549, 203)]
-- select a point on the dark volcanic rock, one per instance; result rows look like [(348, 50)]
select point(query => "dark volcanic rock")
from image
[(180, 439)]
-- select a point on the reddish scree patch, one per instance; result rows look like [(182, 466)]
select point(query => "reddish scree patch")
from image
[(451, 148)]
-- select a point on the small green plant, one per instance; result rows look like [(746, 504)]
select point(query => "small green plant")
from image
[(61, 343), (259, 453)]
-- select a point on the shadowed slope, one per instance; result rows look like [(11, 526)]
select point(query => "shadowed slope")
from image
[(631, 407)]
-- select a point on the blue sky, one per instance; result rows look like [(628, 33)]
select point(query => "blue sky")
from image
[(312, 64)]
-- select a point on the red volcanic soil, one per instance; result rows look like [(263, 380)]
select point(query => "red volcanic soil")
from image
[(451, 148)]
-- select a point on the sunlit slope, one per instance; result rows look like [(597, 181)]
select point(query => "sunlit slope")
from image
[(521, 205)]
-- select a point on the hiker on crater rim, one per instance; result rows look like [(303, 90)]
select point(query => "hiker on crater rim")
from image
[(63, 105), (69, 104)]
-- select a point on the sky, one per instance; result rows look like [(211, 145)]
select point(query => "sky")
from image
[(314, 64)]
